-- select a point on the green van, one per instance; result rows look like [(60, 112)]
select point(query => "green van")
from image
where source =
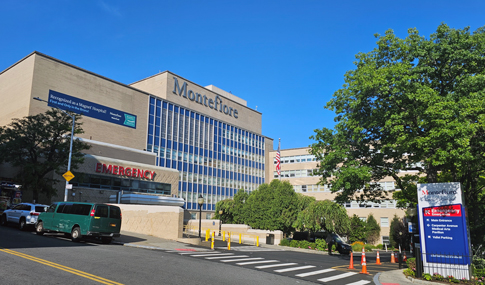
[(81, 219)]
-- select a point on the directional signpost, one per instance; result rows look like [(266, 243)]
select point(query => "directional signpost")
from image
[(444, 236)]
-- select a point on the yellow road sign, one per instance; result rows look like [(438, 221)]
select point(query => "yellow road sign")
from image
[(68, 176)]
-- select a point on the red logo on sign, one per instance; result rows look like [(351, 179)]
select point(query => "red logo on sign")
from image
[(443, 211)]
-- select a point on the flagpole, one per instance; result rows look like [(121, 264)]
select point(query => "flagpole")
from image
[(279, 158)]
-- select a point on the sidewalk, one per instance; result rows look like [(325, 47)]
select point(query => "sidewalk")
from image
[(392, 277)]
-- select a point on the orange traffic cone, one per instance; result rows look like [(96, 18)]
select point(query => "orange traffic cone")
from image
[(378, 260), (405, 258), (392, 258), (351, 261), (364, 265), (362, 256)]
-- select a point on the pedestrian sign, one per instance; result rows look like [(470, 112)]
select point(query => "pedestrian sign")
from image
[(68, 176)]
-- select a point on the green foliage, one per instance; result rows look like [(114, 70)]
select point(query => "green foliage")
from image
[(305, 244), (368, 247), (272, 207), (397, 226), (438, 277), (373, 230), (294, 243), (39, 145), (285, 242), (321, 244), (379, 246), (357, 230), (324, 215), (409, 272), (411, 103), (357, 247), (427, 276), (411, 262)]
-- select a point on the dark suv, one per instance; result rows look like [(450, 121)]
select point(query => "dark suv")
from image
[(23, 214)]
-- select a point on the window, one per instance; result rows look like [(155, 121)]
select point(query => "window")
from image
[(193, 216), (385, 240), (101, 211), (303, 188), (208, 216), (384, 222), (363, 219)]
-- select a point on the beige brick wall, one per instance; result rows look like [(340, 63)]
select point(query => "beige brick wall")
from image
[(15, 89), (51, 74), (159, 221), (162, 85)]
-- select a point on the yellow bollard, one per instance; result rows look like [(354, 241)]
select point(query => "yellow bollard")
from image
[(207, 234), (223, 236), (257, 241), (229, 241), (240, 240), (212, 242)]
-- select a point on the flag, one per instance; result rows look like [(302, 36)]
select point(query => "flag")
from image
[(278, 159)]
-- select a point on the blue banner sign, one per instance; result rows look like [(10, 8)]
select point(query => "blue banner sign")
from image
[(90, 109), (446, 240)]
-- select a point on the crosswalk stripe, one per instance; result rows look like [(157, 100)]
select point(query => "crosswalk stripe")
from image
[(294, 268), (275, 265), (360, 282), (335, 277), (211, 254), (315, 272), (256, 262), (242, 259), (191, 252), (221, 257)]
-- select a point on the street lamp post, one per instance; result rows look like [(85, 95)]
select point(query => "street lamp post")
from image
[(73, 117), (200, 201), (220, 221)]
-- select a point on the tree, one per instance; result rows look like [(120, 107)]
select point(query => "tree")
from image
[(272, 207), (324, 215), (399, 235), (227, 207), (357, 230), (373, 230), (39, 145), (411, 104)]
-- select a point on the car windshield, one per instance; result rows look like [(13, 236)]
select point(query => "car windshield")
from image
[(337, 238), (40, 209)]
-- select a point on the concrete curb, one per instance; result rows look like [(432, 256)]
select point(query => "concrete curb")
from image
[(376, 279)]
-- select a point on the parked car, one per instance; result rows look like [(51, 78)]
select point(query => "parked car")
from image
[(342, 247), (81, 220), (23, 214)]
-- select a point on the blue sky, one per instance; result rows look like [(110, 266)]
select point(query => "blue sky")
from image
[(285, 57)]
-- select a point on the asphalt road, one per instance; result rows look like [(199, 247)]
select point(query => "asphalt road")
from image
[(26, 258)]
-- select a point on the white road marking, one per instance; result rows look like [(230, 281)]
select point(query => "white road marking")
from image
[(221, 257), (361, 282), (193, 252), (242, 259), (315, 272), (211, 254), (294, 268), (275, 265), (256, 262), (335, 277)]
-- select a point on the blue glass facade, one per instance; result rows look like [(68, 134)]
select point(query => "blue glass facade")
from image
[(214, 159)]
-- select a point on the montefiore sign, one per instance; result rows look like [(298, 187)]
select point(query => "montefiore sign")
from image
[(215, 103), (124, 171), (443, 229)]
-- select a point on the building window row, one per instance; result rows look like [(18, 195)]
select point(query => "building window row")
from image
[(389, 204), (295, 173), (296, 159)]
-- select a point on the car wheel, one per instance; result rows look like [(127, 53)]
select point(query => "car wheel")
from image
[(106, 240), (39, 228), (76, 234), (22, 224), (3, 221)]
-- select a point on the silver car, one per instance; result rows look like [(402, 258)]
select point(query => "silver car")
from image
[(23, 215)]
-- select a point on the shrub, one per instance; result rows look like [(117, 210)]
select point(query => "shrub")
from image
[(312, 245), (411, 262), (294, 243), (368, 247), (304, 244), (427, 276), (379, 246), (437, 276), (356, 247), (357, 242), (285, 242), (409, 272), (321, 244)]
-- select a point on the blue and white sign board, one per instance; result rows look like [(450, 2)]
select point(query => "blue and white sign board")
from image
[(444, 236), (90, 109)]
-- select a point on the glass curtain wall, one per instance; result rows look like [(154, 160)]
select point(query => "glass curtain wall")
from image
[(215, 159)]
